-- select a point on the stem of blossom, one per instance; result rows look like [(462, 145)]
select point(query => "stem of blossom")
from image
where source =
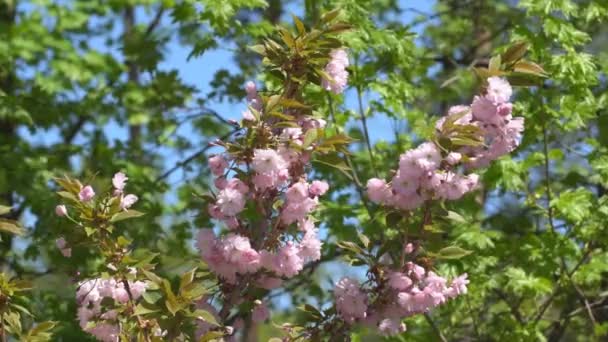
[(435, 327), (348, 161), (363, 119), (543, 308), (2, 330), (141, 323), (578, 291)]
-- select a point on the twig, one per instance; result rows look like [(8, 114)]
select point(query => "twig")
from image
[(154, 23), (192, 157), (349, 162), (555, 292), (435, 327), (364, 119), (514, 308)]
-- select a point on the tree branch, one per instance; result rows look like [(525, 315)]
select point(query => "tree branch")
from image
[(193, 157), (154, 23), (435, 327)]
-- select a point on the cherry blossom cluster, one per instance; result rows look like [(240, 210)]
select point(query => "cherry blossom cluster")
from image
[(336, 70), (401, 293), (431, 171), (265, 201), (99, 301), (87, 194)]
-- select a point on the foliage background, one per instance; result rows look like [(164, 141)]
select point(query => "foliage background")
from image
[(88, 88)]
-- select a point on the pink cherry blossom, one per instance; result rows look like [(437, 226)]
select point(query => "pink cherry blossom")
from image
[(336, 69), (86, 194), (61, 210), (127, 201), (217, 164), (267, 161), (351, 302), (260, 312), (378, 191), (119, 181), (318, 188), (499, 90), (230, 202)]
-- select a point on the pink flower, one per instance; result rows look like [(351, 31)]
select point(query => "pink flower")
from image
[(318, 188), (248, 116), (267, 161), (485, 110), (105, 332), (251, 90), (61, 210), (499, 90), (399, 281), (260, 312), (86, 194), (453, 158), (238, 185), (336, 69), (230, 202), (62, 245), (217, 164), (119, 181), (297, 192), (286, 262), (310, 246), (505, 109), (214, 211), (378, 191), (127, 201), (428, 156), (138, 288), (391, 326), (264, 181), (458, 286), (351, 302), (295, 211)]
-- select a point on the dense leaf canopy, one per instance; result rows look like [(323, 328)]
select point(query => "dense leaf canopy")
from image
[(89, 88)]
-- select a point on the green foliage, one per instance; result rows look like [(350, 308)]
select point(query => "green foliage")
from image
[(80, 73)]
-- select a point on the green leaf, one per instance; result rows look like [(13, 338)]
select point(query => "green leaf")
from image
[(4, 210), (452, 252), (515, 52), (142, 309), (453, 216), (173, 305), (495, 63), (187, 279), (314, 312), (206, 316), (329, 16), (211, 336), (364, 239), (10, 226), (123, 215), (527, 67), (299, 25), (89, 231), (574, 205), (259, 49), (42, 328), (67, 195), (310, 137)]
